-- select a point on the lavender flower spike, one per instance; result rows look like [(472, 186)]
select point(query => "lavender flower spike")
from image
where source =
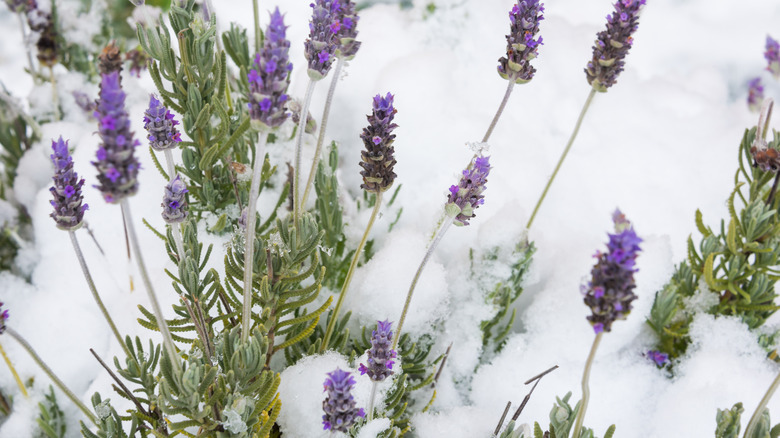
[(68, 209), (3, 318), (161, 126), (116, 162), (339, 405), (345, 28), (320, 45), (174, 202), (270, 76), (611, 289), (378, 161), (521, 46), (772, 55), (612, 45), (755, 95), (380, 355), (465, 197)]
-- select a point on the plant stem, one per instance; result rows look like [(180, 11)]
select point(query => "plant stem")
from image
[(371, 401), (350, 272), (439, 234), (14, 373), (175, 230), (249, 246), (323, 129), (55, 98), (501, 107), (11, 332), (563, 156), (258, 40), (27, 47), (298, 146), (170, 348), (761, 406), (585, 389), (94, 291)]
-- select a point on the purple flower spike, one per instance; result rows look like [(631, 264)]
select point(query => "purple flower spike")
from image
[(521, 44), (611, 289), (612, 45), (377, 157), (755, 95), (468, 194), (68, 209), (161, 126), (772, 55), (345, 28), (116, 163), (380, 355), (174, 202), (320, 45), (658, 357), (339, 405), (270, 76), (3, 318)]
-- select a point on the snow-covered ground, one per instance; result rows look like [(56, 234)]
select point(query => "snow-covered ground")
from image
[(660, 144)]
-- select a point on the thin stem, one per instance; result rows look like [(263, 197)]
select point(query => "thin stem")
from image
[(55, 98), (258, 40), (298, 146), (170, 348), (170, 165), (323, 128), (11, 332), (175, 230), (585, 388), (95, 295), (129, 254), (14, 373), (350, 272), (563, 156), (761, 406), (210, 7), (772, 192), (439, 234), (501, 107), (371, 400), (249, 246), (26, 46)]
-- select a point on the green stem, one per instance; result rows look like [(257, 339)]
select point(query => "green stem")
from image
[(258, 40), (323, 128), (563, 156), (55, 98), (350, 272), (371, 401), (94, 291), (585, 388), (249, 246), (439, 234), (26, 47), (170, 348), (13, 372), (298, 146), (500, 109), (11, 332), (761, 406)]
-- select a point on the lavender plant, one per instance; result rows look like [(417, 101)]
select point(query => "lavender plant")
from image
[(339, 404), (755, 94), (380, 360), (772, 56)]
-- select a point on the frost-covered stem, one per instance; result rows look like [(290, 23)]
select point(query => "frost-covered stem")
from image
[(258, 40), (439, 234), (150, 24), (350, 272), (323, 128), (93, 289), (26, 46), (210, 5), (170, 348), (371, 400), (761, 406), (298, 146), (175, 230), (563, 156), (249, 246), (129, 255), (14, 373), (585, 388), (55, 98), (12, 333), (501, 107)]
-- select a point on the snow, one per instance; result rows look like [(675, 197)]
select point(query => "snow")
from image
[(660, 144)]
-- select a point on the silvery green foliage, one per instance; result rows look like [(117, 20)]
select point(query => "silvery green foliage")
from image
[(511, 432), (562, 417), (51, 419), (728, 424)]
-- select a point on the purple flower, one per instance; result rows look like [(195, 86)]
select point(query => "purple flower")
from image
[(521, 46), (612, 45), (377, 157), (270, 76), (380, 355), (339, 405), (658, 357), (68, 209), (772, 55), (116, 163), (3, 318), (345, 26), (321, 42), (174, 202), (611, 289), (160, 124), (468, 194), (755, 95)]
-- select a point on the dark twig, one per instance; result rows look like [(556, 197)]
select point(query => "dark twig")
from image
[(127, 392), (503, 416), (542, 374), (441, 367), (537, 378), (771, 197)]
